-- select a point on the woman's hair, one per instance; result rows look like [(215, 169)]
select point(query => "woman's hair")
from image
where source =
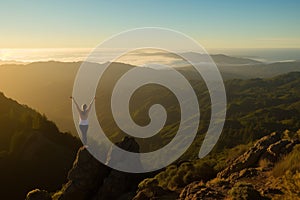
[(84, 106)]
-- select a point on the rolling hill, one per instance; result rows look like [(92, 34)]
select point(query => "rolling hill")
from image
[(50, 83)]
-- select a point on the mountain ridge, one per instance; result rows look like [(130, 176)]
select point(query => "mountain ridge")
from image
[(37, 79), (32, 150)]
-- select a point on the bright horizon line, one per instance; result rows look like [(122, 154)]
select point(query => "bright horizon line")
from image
[(29, 55), (215, 48)]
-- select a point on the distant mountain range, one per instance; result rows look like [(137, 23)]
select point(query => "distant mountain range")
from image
[(5, 62), (53, 81), (221, 59)]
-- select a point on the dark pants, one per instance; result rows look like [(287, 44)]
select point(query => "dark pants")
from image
[(84, 129)]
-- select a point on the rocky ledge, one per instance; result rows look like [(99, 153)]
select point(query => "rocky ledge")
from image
[(89, 179), (244, 178)]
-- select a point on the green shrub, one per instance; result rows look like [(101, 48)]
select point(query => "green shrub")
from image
[(148, 183), (244, 191), (177, 177)]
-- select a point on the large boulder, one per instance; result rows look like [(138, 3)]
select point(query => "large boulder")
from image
[(279, 148), (89, 179), (251, 157), (117, 182), (84, 177)]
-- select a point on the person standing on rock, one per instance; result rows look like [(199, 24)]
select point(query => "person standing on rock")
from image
[(83, 118)]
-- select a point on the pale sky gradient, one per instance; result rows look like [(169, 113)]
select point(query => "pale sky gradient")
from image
[(84, 24)]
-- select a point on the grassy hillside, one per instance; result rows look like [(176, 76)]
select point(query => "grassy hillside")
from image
[(50, 83), (255, 107)]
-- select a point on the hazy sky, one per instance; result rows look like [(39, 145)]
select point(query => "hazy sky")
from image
[(215, 24)]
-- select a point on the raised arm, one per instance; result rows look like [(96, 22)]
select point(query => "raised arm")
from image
[(77, 106), (90, 106)]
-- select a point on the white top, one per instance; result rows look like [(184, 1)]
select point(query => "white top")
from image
[(83, 114), (83, 122)]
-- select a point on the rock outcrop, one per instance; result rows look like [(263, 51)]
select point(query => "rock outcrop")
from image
[(84, 177), (270, 147), (118, 183), (244, 178), (89, 179)]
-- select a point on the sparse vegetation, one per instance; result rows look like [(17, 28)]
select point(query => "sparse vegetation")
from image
[(264, 163), (176, 177), (291, 185), (244, 191), (290, 162)]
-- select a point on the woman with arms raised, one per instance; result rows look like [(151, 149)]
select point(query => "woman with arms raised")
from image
[(83, 118)]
